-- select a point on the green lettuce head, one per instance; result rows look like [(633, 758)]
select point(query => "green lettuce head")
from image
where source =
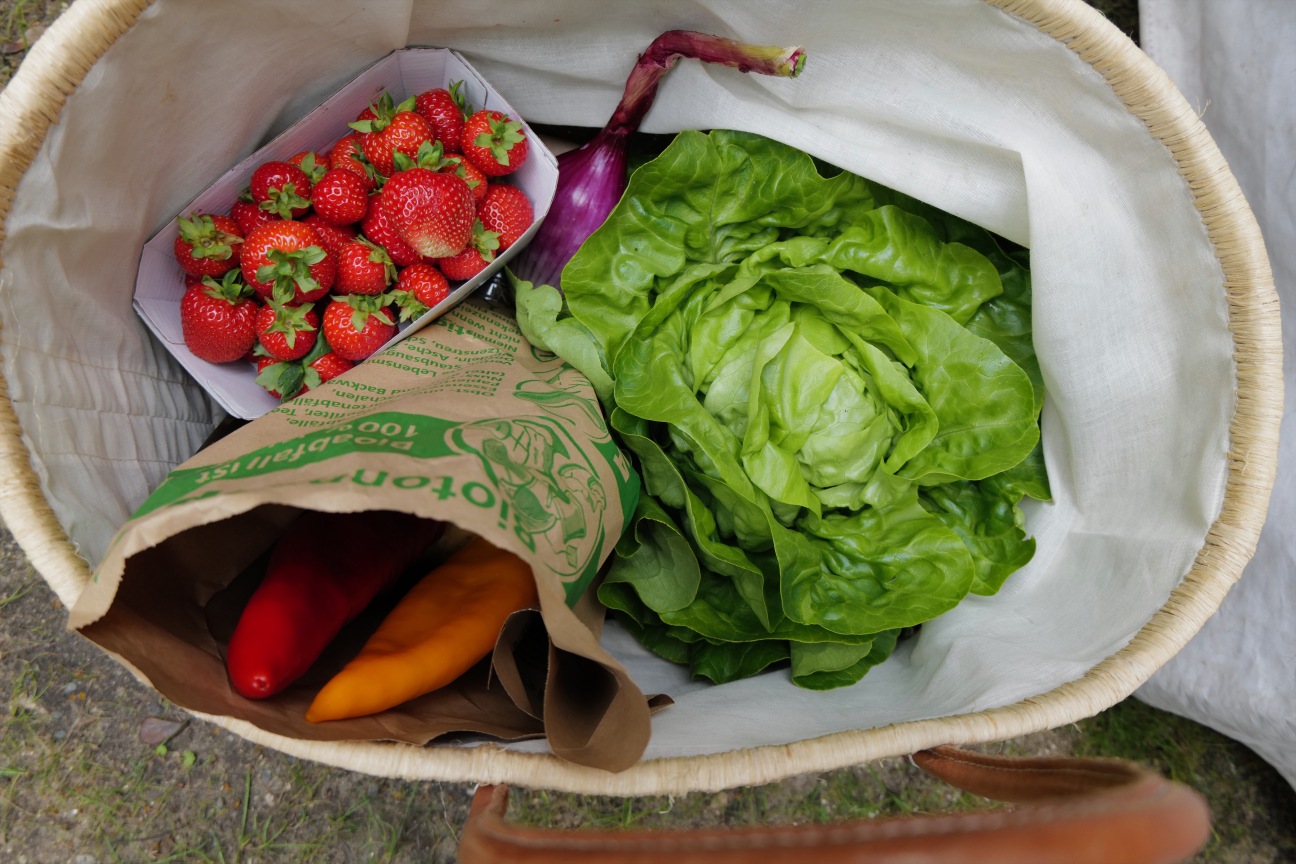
[(831, 395)]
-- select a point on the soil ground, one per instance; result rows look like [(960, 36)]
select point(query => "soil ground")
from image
[(96, 768)]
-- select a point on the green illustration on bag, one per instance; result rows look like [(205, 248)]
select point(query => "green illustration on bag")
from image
[(551, 495)]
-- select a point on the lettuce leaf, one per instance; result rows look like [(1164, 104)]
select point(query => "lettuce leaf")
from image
[(832, 396)]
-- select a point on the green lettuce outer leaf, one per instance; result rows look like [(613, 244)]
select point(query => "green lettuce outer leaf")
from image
[(824, 667), (988, 524), (1005, 320), (540, 317), (723, 662)]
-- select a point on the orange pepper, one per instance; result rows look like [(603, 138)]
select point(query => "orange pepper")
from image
[(447, 622)]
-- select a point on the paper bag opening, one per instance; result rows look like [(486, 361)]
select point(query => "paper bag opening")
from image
[(462, 423)]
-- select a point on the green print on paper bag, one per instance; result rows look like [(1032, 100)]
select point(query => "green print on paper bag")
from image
[(544, 484)]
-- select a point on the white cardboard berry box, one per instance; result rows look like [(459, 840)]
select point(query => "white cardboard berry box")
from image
[(160, 281)]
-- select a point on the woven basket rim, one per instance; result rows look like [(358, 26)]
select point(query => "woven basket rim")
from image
[(58, 63)]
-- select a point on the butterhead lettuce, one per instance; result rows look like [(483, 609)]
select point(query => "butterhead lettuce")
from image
[(831, 395)]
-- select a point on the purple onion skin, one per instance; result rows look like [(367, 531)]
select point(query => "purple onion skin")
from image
[(592, 178)]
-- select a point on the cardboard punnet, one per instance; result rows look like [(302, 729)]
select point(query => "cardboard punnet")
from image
[(160, 281)]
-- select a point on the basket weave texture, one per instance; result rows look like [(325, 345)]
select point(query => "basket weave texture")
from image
[(65, 55)]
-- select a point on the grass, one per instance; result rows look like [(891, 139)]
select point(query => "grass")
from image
[(17, 15), (76, 779), (22, 22)]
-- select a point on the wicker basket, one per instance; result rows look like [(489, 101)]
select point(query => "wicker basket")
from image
[(66, 57)]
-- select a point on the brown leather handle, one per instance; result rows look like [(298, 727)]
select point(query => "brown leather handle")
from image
[(1073, 811)]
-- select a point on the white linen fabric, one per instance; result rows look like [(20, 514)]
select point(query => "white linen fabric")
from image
[(951, 101), (1235, 60)]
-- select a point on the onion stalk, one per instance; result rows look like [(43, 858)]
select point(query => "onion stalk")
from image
[(592, 178)]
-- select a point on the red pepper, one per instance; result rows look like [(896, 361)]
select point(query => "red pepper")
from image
[(322, 573)]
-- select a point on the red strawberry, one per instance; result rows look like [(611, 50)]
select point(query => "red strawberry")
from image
[(471, 174), (494, 143), (287, 379), (284, 261), (340, 197), (312, 164), (272, 374), (444, 110), (348, 154), (282, 188), (206, 244), (249, 215), (325, 368), (393, 129), (287, 332), (507, 211), (433, 157), (431, 211), (218, 319), (473, 259), (419, 287), (463, 266), (357, 325), (363, 267), (331, 237), (378, 228)]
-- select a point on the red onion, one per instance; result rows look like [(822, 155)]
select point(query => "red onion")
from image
[(592, 178)]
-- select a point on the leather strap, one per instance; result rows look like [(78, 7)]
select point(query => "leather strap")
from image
[(1072, 811)]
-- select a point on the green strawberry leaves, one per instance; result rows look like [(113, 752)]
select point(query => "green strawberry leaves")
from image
[(290, 320), (430, 155), (501, 135), (283, 201), (384, 109), (231, 288), (485, 242), (288, 378), (284, 378), (312, 167), (411, 308), (289, 272), (365, 306), (379, 255), (208, 241), (458, 98)]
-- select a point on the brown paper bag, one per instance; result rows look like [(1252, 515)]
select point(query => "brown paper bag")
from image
[(461, 422)]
